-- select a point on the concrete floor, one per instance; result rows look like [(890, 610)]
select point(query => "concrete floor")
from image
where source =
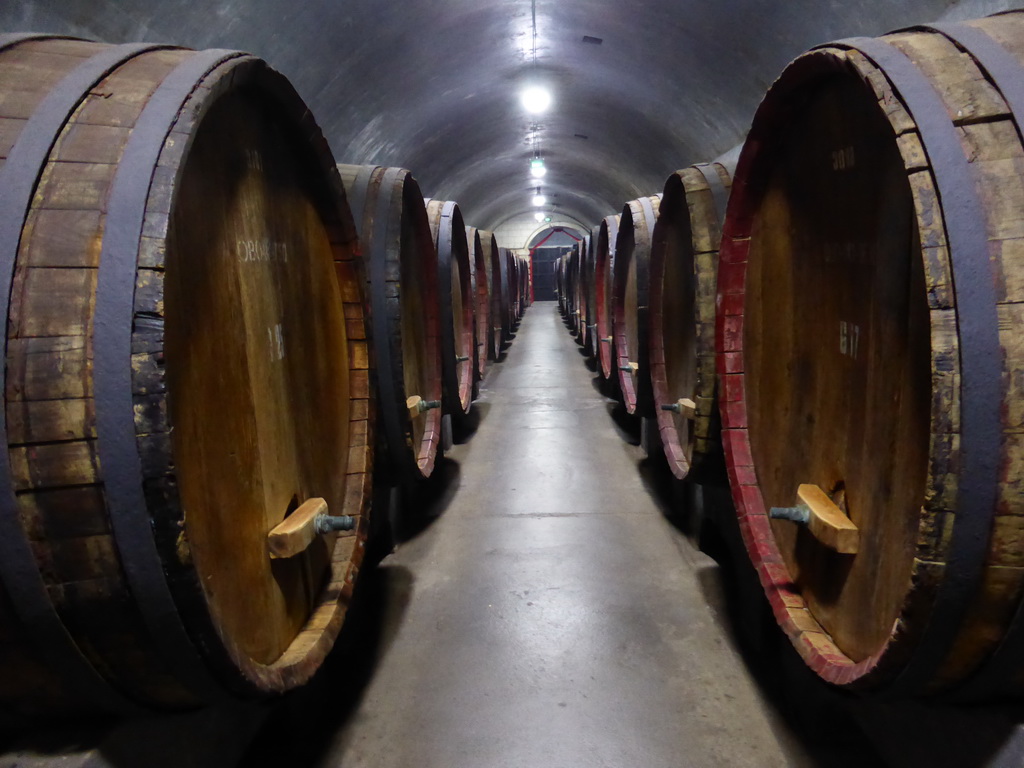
[(544, 611), (554, 617)]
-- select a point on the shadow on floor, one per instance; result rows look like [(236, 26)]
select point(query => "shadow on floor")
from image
[(627, 426), (423, 504), (302, 725), (471, 422), (836, 728)]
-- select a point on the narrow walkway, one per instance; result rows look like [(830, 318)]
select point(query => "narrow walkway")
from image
[(554, 618)]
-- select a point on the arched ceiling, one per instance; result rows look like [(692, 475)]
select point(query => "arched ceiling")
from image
[(433, 85)]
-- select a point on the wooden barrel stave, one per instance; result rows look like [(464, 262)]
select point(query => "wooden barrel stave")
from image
[(121, 632), (938, 632), (684, 269)]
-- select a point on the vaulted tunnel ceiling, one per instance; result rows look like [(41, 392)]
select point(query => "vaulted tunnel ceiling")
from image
[(433, 85)]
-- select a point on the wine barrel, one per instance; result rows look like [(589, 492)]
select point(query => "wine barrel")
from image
[(526, 276), (508, 262), (869, 344), (572, 279), (513, 285), (395, 237), (681, 338), (456, 301), (492, 263), (604, 262), (580, 294), (559, 269), (481, 302), (589, 297), (182, 264), (630, 291)]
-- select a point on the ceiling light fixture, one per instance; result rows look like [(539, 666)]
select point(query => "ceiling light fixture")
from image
[(539, 216), (537, 169), (538, 198), (535, 99)]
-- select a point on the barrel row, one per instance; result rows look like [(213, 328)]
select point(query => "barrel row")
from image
[(834, 335), (218, 343)]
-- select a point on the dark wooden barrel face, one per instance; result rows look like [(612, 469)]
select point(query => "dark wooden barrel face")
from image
[(492, 264), (572, 273), (837, 349), (402, 269), (684, 267), (462, 308), (420, 326), (153, 304), (673, 309), (482, 301), (501, 270), (512, 281), (239, 356), (514, 295), (590, 341), (456, 304), (865, 340), (604, 258), (560, 283), (631, 286)]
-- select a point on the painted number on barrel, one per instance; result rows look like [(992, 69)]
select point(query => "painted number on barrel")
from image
[(849, 339), (275, 337), (842, 159)]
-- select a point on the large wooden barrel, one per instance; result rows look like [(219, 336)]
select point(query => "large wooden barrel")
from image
[(184, 367), (684, 270), (395, 237), (869, 343), (508, 262), (604, 261), (526, 279), (492, 264), (630, 291), (481, 302), (580, 293), (572, 281), (559, 269), (513, 285), (589, 296), (455, 293)]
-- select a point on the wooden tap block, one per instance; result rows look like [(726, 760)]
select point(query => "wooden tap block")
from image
[(687, 408), (634, 366), (413, 404), (827, 523), (296, 532)]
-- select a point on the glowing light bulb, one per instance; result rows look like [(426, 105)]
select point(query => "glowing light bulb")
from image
[(539, 200), (539, 216), (537, 169), (535, 99)]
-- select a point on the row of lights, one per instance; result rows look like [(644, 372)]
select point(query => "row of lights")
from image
[(536, 100)]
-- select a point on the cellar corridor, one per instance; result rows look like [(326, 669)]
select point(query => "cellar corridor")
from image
[(551, 616)]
